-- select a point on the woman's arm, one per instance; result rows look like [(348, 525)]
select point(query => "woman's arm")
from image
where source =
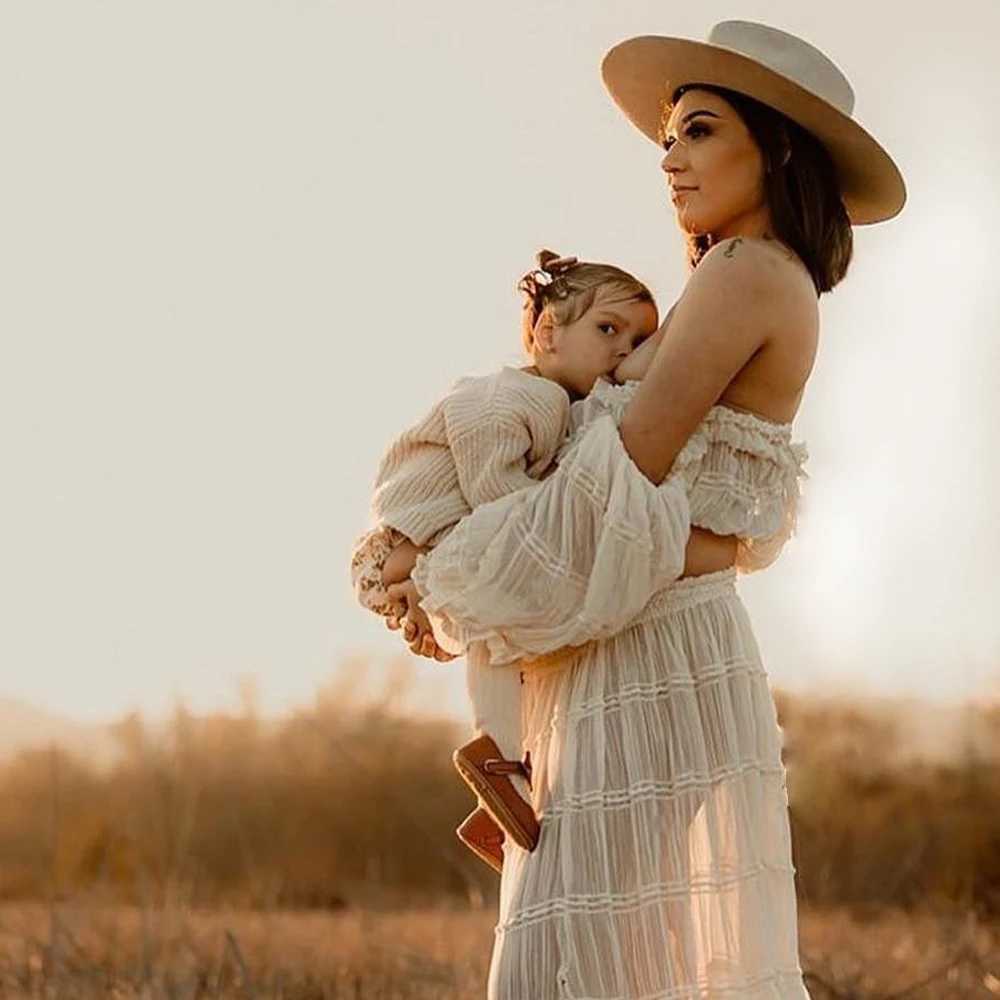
[(572, 558), (736, 299)]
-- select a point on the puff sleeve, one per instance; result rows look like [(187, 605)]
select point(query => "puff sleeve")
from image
[(566, 560)]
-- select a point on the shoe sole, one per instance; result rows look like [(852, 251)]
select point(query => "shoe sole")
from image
[(482, 854), (494, 805)]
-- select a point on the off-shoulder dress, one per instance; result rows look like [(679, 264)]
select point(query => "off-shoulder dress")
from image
[(664, 867)]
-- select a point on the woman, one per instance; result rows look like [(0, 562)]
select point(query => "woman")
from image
[(664, 864)]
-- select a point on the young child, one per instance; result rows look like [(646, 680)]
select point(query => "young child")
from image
[(488, 436)]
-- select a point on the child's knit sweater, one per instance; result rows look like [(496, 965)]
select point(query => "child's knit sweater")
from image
[(489, 436)]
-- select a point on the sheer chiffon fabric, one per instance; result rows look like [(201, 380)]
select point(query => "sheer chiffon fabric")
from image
[(573, 560), (743, 473), (664, 869), (664, 866)]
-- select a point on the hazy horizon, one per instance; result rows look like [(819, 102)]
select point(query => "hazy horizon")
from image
[(247, 243)]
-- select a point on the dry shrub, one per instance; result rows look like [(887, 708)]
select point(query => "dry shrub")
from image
[(335, 804), (894, 802), (356, 803)]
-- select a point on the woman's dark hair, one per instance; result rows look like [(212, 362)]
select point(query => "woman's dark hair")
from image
[(801, 187)]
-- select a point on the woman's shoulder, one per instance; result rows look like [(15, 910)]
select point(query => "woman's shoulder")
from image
[(760, 256), (762, 275), (761, 260)]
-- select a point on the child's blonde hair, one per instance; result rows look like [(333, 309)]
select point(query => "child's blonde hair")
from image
[(567, 288)]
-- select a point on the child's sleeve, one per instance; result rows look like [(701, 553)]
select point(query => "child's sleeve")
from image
[(498, 433), (368, 556)]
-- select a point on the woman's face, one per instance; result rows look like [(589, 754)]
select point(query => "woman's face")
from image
[(595, 344), (715, 168)]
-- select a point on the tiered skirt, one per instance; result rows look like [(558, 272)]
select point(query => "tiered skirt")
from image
[(664, 867)]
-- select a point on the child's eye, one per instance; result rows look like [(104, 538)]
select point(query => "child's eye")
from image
[(609, 326)]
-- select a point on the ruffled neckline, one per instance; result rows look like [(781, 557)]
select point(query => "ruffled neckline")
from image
[(606, 391), (749, 419), (742, 470), (752, 415), (722, 424)]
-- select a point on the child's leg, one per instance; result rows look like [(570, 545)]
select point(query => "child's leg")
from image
[(495, 693), (502, 789)]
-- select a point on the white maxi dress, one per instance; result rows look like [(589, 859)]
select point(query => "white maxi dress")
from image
[(664, 866)]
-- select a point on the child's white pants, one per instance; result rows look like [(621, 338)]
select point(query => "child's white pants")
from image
[(495, 693)]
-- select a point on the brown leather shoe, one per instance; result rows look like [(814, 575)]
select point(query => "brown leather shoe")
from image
[(486, 772), (481, 834)]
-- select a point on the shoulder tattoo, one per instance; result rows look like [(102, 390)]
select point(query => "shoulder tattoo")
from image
[(731, 249)]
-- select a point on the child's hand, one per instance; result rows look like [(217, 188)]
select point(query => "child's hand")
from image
[(415, 624)]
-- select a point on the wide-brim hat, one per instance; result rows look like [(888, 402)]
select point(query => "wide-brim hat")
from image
[(777, 69)]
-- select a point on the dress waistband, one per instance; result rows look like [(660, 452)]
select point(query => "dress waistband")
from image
[(688, 591), (683, 593)]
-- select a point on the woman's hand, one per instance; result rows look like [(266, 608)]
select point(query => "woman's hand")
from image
[(416, 625)]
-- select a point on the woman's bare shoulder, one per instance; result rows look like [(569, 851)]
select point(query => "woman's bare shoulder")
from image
[(762, 275), (784, 303)]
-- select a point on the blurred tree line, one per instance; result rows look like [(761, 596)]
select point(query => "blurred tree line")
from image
[(882, 815), (343, 804)]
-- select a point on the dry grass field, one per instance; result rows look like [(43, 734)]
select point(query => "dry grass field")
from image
[(77, 950), (235, 856), (434, 953)]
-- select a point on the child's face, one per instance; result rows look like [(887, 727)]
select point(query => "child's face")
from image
[(577, 354)]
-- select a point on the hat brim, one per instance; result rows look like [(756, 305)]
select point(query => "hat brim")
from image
[(640, 73)]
